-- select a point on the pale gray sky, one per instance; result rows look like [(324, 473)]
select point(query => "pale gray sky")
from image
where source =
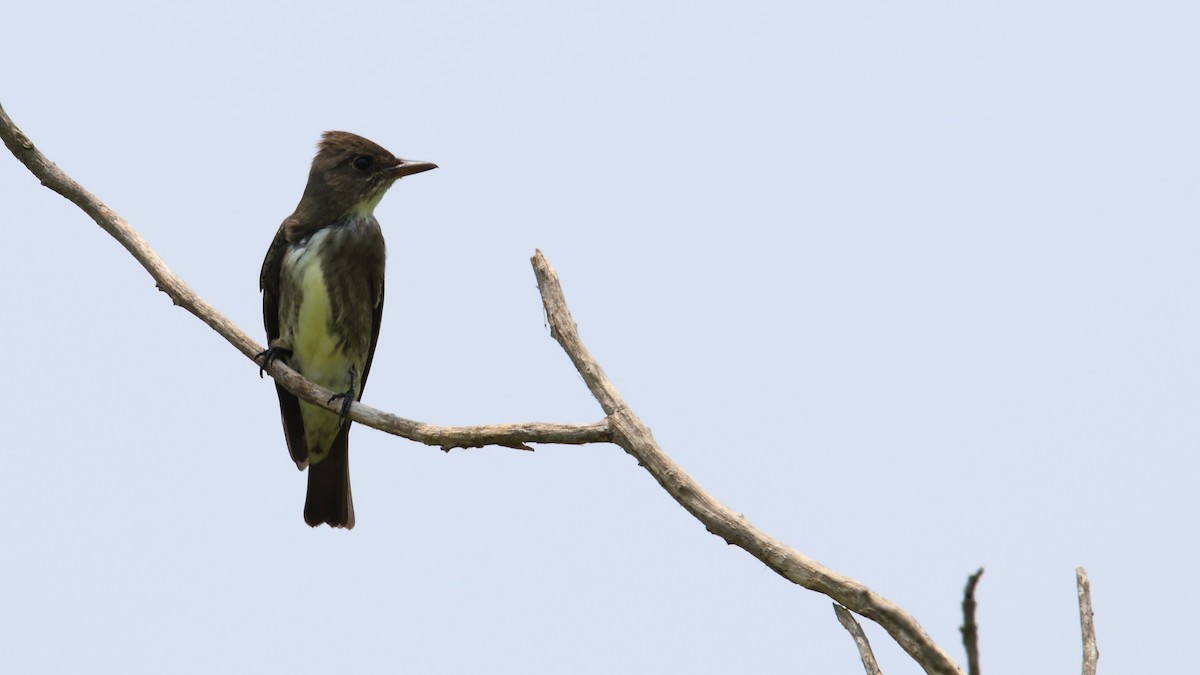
[(912, 285)]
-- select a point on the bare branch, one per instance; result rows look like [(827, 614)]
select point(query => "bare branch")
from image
[(970, 630), (621, 425), (631, 434), (507, 435), (860, 639), (1091, 653)]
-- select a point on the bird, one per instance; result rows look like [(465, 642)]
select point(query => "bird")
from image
[(322, 284)]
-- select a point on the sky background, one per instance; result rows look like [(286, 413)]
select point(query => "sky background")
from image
[(913, 286)]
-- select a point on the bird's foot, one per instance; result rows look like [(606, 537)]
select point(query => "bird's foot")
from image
[(269, 356), (347, 396)]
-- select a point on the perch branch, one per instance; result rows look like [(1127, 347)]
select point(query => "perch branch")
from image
[(970, 630), (507, 435), (860, 639), (620, 426), (1091, 653), (634, 437)]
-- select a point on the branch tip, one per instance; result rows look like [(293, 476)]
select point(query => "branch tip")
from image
[(852, 626), (969, 629), (1087, 624)]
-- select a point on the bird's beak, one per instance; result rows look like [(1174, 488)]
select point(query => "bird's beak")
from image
[(408, 167)]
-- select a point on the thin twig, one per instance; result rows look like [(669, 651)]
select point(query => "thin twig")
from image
[(1091, 653), (631, 434), (517, 436), (970, 630), (860, 639)]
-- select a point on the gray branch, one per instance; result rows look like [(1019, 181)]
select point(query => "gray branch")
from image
[(621, 425), (970, 630), (860, 639), (635, 438), (1091, 653)]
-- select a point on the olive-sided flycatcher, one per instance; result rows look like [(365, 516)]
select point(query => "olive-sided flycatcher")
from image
[(322, 285)]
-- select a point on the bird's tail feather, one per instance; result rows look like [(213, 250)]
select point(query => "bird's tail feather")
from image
[(329, 499)]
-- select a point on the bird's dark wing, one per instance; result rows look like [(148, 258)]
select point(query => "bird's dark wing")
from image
[(289, 405), (268, 282), (378, 318)]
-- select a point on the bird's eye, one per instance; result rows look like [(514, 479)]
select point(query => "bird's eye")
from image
[(362, 162)]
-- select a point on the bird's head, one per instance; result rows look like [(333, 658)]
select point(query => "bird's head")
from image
[(349, 175)]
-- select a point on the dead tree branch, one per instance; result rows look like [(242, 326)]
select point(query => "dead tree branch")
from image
[(634, 437), (970, 630), (1091, 653), (860, 639), (621, 425)]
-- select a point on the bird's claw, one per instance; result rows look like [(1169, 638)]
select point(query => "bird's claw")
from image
[(269, 356), (347, 397)]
